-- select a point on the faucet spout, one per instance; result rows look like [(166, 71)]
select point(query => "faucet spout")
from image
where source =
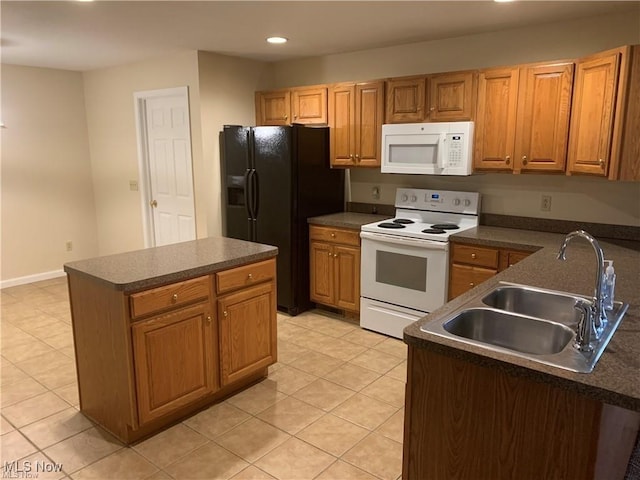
[(597, 315)]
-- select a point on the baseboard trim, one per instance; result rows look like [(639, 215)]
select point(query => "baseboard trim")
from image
[(38, 277)]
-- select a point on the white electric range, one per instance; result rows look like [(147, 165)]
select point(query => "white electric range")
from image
[(405, 260)]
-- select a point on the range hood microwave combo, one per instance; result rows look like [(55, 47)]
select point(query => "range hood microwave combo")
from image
[(443, 148)]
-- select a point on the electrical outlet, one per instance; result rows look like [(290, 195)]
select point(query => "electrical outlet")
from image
[(375, 193), (133, 185), (545, 203), (69, 245)]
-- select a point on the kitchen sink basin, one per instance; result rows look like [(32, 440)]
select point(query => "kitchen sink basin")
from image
[(515, 332), (535, 302), (527, 322)]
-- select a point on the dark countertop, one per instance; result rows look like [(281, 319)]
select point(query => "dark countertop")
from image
[(152, 267), (347, 219), (616, 377)]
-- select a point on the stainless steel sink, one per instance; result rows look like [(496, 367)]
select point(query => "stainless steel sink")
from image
[(515, 332), (555, 306), (526, 322)]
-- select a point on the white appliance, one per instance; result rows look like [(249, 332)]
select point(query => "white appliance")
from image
[(405, 260), (438, 148)]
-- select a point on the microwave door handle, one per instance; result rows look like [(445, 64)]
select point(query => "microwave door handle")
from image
[(442, 140)]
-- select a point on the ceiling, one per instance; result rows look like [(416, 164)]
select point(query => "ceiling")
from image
[(89, 35)]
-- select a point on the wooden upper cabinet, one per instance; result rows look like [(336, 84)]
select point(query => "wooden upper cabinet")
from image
[(306, 105), (542, 126), (356, 114), (452, 97), (273, 108), (629, 166), (309, 105), (591, 132), (405, 99), (496, 119)]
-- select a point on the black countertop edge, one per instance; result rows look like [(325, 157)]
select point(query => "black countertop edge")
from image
[(603, 395)]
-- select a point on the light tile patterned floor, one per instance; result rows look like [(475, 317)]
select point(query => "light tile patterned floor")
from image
[(330, 409)]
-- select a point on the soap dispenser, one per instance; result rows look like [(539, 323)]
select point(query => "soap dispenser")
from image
[(609, 285)]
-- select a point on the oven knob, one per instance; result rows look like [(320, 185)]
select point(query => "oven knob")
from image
[(467, 202), (456, 202), (405, 197)]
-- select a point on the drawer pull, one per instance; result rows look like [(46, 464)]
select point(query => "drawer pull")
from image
[(473, 255), (250, 277), (208, 318), (175, 297), (333, 235), (472, 285), (225, 313)]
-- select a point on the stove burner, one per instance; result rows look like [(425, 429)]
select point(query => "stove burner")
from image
[(445, 226), (403, 221), (390, 225), (433, 230)]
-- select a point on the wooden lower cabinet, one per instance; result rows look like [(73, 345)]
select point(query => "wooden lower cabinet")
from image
[(147, 359), (469, 421), (470, 265), (335, 267), (174, 360), (248, 338)]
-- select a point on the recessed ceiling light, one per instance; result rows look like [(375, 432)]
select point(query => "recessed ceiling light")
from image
[(277, 40)]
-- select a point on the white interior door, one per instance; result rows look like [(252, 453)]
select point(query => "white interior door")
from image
[(170, 176)]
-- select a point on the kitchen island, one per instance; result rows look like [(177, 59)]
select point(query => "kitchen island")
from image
[(162, 332), (475, 413)]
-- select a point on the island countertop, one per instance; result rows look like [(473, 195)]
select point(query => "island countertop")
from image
[(150, 267), (616, 377)]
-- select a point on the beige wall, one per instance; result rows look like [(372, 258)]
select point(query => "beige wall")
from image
[(585, 199), (47, 193), (109, 95), (227, 87)]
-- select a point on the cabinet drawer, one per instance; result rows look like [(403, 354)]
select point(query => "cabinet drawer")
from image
[(465, 277), (335, 235), (169, 296), (472, 255), (245, 276)]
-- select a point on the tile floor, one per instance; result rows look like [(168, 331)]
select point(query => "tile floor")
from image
[(330, 409)]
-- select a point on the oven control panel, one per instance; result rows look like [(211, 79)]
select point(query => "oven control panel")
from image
[(438, 200)]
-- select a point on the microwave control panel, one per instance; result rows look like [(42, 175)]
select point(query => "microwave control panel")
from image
[(455, 145)]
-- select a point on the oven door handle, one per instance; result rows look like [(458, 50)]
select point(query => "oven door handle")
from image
[(414, 242)]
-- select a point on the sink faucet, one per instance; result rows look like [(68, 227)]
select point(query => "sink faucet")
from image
[(594, 316)]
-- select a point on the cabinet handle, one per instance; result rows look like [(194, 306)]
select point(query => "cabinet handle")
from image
[(432, 109), (225, 313), (601, 162), (174, 297), (472, 285), (351, 157), (357, 158), (208, 318), (286, 116), (524, 160), (507, 159), (295, 116), (250, 277), (330, 254), (473, 255), (333, 235), (335, 255)]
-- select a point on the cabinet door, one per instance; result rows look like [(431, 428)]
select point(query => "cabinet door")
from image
[(368, 124), (321, 273), (174, 360), (592, 114), (405, 99), (496, 119), (465, 277), (543, 118), (451, 97), (309, 105), (347, 277), (248, 341), (341, 121), (273, 108)]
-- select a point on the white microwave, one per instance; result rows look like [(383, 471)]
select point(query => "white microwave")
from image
[(443, 148)]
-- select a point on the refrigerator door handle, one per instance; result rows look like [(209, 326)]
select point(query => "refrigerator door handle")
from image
[(255, 195), (248, 196)]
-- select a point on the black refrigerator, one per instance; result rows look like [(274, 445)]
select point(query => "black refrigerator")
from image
[(274, 178)]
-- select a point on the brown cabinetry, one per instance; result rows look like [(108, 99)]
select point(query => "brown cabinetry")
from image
[(356, 114), (470, 265), (148, 358), (306, 105), (335, 267), (405, 99), (248, 338), (522, 121)]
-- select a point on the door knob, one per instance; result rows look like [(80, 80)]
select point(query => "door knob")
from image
[(153, 203)]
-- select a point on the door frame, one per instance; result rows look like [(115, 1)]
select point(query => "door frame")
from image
[(144, 170)]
